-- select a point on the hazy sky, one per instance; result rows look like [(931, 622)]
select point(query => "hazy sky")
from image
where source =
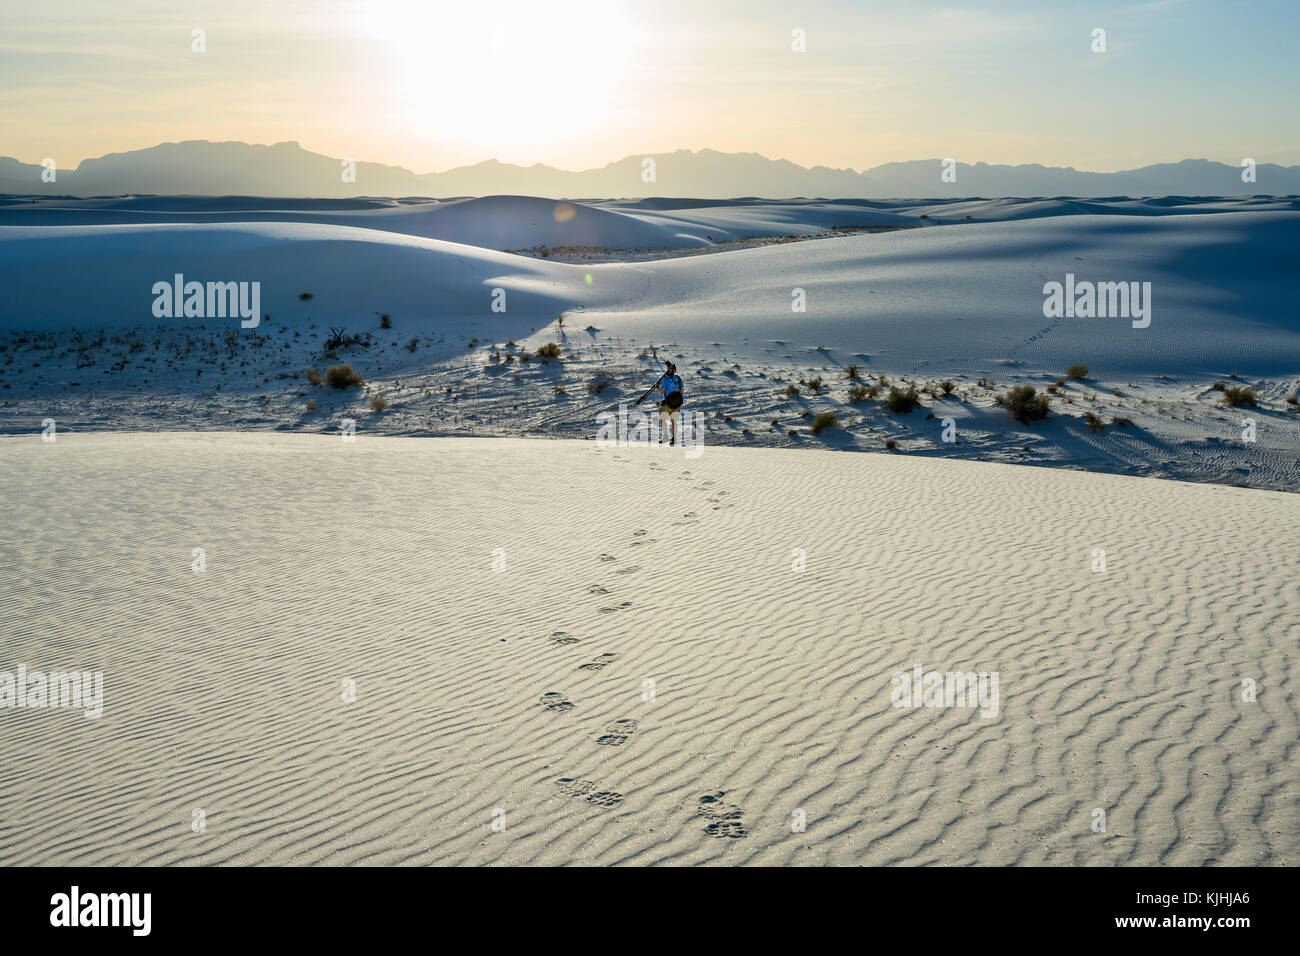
[(430, 85)]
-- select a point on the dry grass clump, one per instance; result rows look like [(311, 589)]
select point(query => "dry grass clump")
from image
[(343, 376), (824, 421), (900, 400), (1024, 403)]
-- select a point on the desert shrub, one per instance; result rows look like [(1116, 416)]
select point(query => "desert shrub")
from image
[(947, 385), (305, 296), (551, 350), (891, 443), (1237, 395), (1024, 403), (412, 345), (525, 356), (824, 421), (377, 402), (559, 390), (792, 433), (1095, 424), (343, 376), (1078, 370), (385, 322), (902, 401), (815, 385), (792, 390), (312, 405), (313, 376), (599, 383), (852, 371), (340, 339), (860, 393)]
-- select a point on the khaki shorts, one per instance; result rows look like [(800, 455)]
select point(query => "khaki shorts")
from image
[(666, 412)]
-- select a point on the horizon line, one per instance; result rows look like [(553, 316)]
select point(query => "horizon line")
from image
[(705, 149)]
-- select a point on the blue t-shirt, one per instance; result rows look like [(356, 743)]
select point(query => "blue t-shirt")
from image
[(670, 384)]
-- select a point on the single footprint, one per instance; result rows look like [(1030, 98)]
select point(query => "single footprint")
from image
[(617, 732), (726, 829), (575, 788), (628, 570), (726, 817), (557, 702), (617, 607), (600, 662), (608, 557), (640, 533), (572, 787), (597, 589), (712, 805), (563, 637)]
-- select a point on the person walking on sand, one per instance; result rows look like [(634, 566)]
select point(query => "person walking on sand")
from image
[(670, 408)]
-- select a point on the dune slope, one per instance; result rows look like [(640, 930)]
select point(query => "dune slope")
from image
[(373, 561)]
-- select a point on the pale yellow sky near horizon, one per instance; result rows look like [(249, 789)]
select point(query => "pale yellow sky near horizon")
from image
[(579, 83)]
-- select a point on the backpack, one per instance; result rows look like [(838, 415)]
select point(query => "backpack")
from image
[(673, 400)]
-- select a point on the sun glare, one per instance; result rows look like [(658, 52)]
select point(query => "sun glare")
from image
[(503, 72)]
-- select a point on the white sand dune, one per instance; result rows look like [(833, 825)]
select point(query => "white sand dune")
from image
[(962, 301), (951, 300), (1223, 284), (103, 276), (521, 222), (325, 560)]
